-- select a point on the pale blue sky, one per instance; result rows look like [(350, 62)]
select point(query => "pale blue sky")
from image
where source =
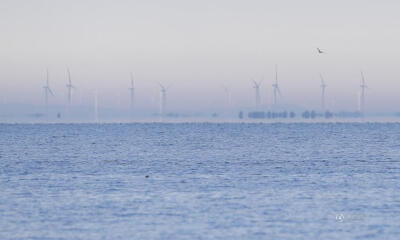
[(198, 46)]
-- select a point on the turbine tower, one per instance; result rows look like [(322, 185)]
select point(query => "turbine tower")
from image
[(363, 86), (132, 91), (323, 86), (228, 96), (163, 99), (47, 89), (276, 86), (256, 86), (69, 87), (96, 106)]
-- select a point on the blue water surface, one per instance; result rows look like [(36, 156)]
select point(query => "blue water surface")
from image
[(200, 181)]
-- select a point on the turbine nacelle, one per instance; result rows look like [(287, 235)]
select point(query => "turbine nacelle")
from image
[(256, 84), (323, 85), (163, 88), (132, 86)]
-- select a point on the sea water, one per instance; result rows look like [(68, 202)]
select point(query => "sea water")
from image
[(200, 181)]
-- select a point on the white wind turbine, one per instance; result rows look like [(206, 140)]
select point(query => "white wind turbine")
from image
[(69, 87), (47, 89), (256, 86), (132, 92), (363, 86), (96, 106), (163, 99), (228, 96), (323, 87), (276, 86)]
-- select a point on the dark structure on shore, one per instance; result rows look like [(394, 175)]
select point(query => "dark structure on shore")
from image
[(313, 114), (289, 115), (271, 115)]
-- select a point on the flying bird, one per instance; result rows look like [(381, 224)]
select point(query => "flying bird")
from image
[(320, 51)]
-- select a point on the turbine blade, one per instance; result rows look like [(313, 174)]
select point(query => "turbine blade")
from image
[(69, 76), (51, 92), (47, 77), (131, 80), (161, 86)]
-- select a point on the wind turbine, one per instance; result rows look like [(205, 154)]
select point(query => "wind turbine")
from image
[(276, 86), (132, 91), (47, 89), (323, 86), (96, 106), (163, 99), (363, 86), (256, 86), (69, 86), (228, 95)]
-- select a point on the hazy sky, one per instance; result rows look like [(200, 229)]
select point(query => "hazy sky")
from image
[(199, 46)]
